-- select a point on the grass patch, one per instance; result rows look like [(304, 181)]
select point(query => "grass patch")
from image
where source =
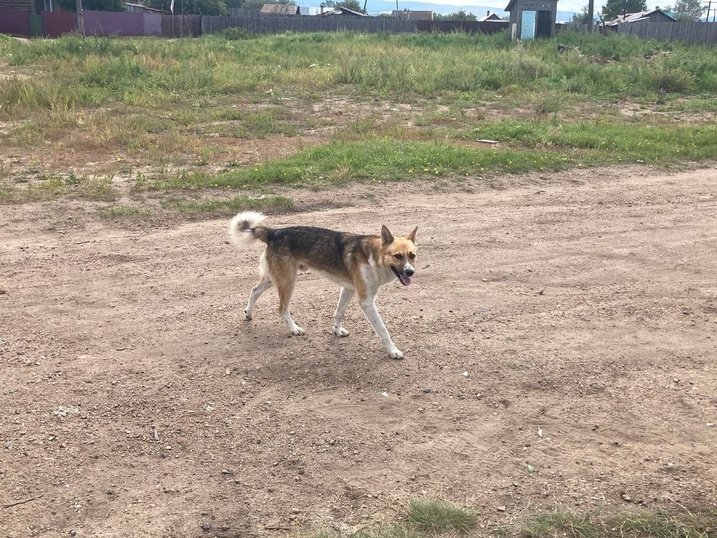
[(48, 188), (425, 518), (430, 516), (609, 141), (636, 525), (373, 160), (124, 212), (228, 206), (380, 107)]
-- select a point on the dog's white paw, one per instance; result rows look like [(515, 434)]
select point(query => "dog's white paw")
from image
[(247, 315), (395, 353), (340, 331), (298, 331)]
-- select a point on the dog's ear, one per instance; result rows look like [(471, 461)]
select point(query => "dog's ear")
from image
[(412, 236), (386, 237)]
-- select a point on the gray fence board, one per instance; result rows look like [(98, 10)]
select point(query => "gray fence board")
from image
[(260, 24), (689, 32)]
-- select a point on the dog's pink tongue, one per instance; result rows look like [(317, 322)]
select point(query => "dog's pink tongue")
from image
[(406, 280)]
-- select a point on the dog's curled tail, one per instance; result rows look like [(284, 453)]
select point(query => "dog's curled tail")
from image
[(245, 228)]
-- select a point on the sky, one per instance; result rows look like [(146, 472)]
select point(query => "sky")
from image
[(479, 7)]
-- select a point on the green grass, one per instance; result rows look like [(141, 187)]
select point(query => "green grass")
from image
[(99, 189), (616, 141), (124, 212), (425, 518), (382, 160), (228, 206), (98, 71), (431, 516), (635, 525), (357, 107)]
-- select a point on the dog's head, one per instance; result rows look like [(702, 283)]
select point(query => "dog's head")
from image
[(400, 254)]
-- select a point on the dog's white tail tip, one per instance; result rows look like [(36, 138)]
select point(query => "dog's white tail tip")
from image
[(241, 227)]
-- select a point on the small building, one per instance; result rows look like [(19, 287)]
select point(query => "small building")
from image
[(656, 15), (412, 15), (530, 19), (280, 9), (490, 17)]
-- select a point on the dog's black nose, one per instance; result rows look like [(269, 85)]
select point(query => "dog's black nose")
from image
[(409, 271)]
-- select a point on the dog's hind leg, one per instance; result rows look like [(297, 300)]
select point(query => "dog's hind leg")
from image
[(284, 281), (263, 285), (344, 300)]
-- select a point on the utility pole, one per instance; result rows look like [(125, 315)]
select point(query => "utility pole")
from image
[(80, 18), (591, 10)]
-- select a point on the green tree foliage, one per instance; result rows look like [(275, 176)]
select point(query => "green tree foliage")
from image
[(256, 4), (687, 10), (460, 15), (353, 5), (614, 8), (191, 7), (581, 18), (95, 5)]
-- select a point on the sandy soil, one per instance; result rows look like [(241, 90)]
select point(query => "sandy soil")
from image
[(561, 351)]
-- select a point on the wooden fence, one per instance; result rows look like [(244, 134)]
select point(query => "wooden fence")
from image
[(273, 24), (690, 32), (53, 24)]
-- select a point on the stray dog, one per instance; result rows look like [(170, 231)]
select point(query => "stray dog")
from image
[(358, 263)]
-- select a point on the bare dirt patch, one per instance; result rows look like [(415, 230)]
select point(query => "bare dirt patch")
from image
[(561, 342)]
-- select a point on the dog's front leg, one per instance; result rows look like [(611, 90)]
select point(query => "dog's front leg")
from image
[(344, 300), (369, 308)]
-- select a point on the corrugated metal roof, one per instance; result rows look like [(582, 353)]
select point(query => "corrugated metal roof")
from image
[(636, 17), (279, 9)]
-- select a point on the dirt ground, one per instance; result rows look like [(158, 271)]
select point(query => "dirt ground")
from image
[(561, 352)]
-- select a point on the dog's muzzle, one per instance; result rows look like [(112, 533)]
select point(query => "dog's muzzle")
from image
[(404, 277)]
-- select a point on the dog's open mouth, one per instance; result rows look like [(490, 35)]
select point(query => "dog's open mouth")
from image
[(403, 279)]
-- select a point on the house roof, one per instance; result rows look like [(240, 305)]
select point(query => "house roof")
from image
[(279, 9), (636, 17), (488, 18), (340, 10)]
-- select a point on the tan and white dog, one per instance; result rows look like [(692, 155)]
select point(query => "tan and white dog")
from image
[(360, 264)]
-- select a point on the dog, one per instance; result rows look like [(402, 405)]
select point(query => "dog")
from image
[(360, 264)]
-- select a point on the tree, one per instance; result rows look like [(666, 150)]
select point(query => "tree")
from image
[(256, 4), (614, 8), (581, 18), (190, 7), (353, 5), (94, 5), (459, 15), (687, 10)]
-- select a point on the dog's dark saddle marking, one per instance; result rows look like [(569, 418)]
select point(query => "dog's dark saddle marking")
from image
[(320, 248)]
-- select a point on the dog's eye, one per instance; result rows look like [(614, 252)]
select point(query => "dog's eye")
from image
[(398, 256), (412, 255)]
